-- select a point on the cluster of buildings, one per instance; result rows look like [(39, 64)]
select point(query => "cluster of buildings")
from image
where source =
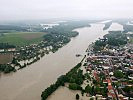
[(7, 50), (25, 55), (113, 68)]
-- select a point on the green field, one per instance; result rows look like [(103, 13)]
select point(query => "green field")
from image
[(22, 38), (131, 40)]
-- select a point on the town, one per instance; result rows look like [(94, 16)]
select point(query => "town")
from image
[(105, 72), (110, 72)]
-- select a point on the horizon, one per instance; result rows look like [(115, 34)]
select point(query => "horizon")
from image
[(51, 20), (77, 9)]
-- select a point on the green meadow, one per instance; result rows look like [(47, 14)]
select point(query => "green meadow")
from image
[(22, 38)]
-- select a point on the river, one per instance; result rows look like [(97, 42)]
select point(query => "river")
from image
[(28, 83)]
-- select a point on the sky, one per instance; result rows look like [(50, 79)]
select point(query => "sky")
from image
[(47, 9)]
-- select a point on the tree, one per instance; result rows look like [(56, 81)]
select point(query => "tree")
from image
[(104, 91), (82, 92), (91, 99), (8, 68), (97, 89), (14, 61), (74, 86), (100, 43), (77, 96), (118, 74), (128, 89), (93, 91), (95, 82), (88, 89)]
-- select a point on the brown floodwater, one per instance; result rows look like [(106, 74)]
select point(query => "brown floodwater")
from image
[(28, 83)]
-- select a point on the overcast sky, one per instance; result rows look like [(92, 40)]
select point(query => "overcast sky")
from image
[(45, 9)]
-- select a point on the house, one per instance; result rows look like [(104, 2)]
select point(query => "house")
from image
[(99, 97), (111, 73), (111, 91), (2, 50), (11, 49), (95, 75), (105, 67), (130, 76)]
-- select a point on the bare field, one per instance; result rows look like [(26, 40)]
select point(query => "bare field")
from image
[(30, 35)]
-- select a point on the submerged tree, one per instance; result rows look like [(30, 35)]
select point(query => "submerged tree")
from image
[(77, 96)]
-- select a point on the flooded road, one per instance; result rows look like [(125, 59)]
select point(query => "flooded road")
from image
[(28, 83)]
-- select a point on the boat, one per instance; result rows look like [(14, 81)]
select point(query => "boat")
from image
[(78, 55)]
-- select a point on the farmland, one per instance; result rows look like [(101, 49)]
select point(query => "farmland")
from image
[(22, 38)]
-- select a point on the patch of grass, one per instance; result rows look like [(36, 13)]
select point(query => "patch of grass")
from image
[(22, 38)]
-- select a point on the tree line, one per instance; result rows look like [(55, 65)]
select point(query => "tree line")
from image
[(6, 46)]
